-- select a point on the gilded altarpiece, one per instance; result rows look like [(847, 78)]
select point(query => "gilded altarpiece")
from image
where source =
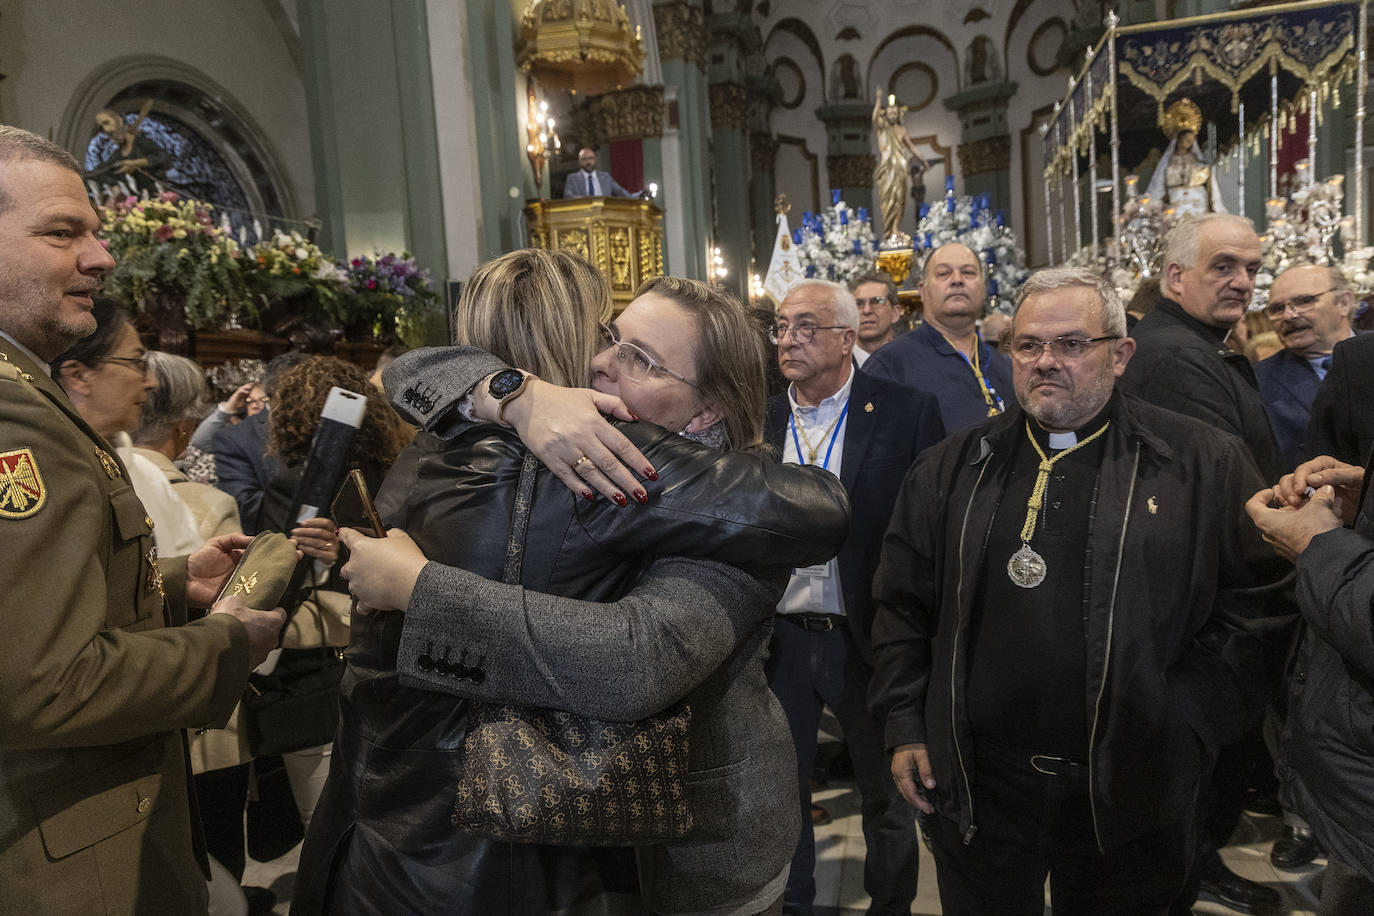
[(622, 238)]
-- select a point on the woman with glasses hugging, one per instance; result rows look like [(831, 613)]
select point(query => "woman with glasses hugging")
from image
[(625, 606)]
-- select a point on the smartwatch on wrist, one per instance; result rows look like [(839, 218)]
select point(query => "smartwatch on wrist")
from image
[(504, 387)]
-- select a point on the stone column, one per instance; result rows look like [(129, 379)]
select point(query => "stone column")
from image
[(764, 93), (365, 90), (682, 37), (849, 159), (985, 147)]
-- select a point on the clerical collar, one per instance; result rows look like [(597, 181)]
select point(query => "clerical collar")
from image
[(1056, 442), (41, 364)]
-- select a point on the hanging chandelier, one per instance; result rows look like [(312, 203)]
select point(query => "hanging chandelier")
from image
[(585, 46)]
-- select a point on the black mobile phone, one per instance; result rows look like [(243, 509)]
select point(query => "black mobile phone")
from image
[(353, 507)]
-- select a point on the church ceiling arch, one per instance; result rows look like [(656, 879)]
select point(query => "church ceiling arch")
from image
[(228, 159), (799, 30), (907, 35)]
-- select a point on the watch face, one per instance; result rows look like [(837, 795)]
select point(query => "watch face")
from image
[(505, 382)]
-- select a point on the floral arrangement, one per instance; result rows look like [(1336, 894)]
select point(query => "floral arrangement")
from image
[(290, 266), (972, 222), (388, 296), (837, 244), (169, 245)]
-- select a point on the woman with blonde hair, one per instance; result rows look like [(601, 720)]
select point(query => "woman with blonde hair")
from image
[(666, 628)]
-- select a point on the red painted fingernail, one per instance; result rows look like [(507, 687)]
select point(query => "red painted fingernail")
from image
[(588, 495), (640, 496), (634, 416), (620, 499), (651, 473)]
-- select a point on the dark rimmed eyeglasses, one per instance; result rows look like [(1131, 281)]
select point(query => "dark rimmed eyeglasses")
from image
[(637, 365), (803, 332), (1028, 349), (1297, 304)]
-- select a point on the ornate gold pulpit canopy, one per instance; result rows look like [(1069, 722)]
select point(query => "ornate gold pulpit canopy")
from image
[(622, 238), (586, 46)]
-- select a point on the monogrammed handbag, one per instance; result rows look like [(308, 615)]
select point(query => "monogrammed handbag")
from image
[(547, 776)]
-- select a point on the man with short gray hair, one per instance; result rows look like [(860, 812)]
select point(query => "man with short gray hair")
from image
[(865, 431), (1181, 360), (1048, 698)]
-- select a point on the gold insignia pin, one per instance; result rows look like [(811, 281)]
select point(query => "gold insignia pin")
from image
[(22, 492), (245, 585), (154, 582), (148, 520), (109, 464), (868, 408), (1152, 506)]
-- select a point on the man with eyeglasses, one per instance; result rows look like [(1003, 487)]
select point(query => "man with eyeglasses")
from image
[(879, 313), (1309, 308), (1047, 686), (866, 431), (944, 354), (1182, 363)]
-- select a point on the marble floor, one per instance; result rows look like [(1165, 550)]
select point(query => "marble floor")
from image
[(840, 855)]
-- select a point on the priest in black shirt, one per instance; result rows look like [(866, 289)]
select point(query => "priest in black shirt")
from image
[(1063, 629)]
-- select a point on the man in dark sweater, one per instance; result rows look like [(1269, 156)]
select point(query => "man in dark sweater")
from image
[(1181, 359), (1182, 363), (1048, 697)]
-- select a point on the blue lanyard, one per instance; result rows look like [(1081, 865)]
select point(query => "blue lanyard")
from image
[(796, 442), (980, 376)]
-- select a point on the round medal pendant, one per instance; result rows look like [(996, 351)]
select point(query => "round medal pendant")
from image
[(1026, 567)]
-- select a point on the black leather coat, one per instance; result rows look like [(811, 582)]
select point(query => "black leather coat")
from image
[(381, 839)]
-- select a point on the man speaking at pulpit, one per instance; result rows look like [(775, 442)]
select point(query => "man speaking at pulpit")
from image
[(588, 181)]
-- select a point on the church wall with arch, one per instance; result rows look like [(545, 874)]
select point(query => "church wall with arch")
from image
[(62, 68)]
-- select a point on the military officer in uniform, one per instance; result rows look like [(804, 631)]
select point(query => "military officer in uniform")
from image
[(100, 671)]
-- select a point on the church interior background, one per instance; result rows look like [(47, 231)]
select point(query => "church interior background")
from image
[(433, 127)]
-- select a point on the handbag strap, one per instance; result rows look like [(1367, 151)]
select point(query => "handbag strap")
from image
[(520, 519)]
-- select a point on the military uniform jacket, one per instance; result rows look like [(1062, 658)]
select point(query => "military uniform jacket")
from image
[(95, 684)]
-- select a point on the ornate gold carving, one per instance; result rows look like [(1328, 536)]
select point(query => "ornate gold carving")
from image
[(992, 154), (583, 45), (681, 31), (729, 106), (622, 238), (576, 241), (618, 239), (633, 112), (851, 171)]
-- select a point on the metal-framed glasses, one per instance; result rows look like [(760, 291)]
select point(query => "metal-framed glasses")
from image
[(1298, 304), (802, 332), (1028, 349), (137, 363), (873, 301), (637, 365)]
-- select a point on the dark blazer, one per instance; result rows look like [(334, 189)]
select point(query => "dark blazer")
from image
[(1343, 412), (577, 185), (887, 427), (1288, 384), (244, 468)]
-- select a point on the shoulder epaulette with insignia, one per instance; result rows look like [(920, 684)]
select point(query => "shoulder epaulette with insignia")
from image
[(10, 372)]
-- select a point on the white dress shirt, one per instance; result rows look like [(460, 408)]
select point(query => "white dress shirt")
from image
[(816, 589)]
